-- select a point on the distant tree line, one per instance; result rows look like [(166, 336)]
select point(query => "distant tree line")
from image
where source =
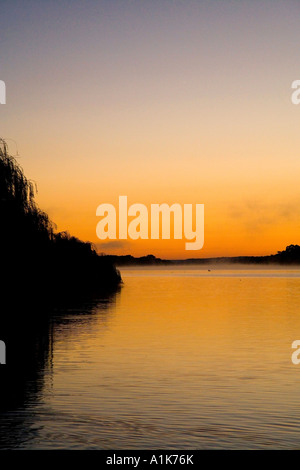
[(291, 255)]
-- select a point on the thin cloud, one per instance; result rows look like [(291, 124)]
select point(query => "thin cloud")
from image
[(113, 245)]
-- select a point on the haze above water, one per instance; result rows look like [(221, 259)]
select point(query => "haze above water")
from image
[(179, 358)]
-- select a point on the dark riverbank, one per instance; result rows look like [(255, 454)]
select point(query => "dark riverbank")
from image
[(38, 264)]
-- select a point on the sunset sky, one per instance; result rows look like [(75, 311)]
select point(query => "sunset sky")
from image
[(162, 101)]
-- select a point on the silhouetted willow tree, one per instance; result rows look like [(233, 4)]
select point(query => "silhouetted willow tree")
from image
[(18, 207), (32, 255)]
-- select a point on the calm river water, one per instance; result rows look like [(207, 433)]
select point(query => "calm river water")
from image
[(179, 358)]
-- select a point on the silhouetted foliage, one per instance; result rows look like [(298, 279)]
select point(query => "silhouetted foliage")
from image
[(40, 269), (35, 260), (290, 255)]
